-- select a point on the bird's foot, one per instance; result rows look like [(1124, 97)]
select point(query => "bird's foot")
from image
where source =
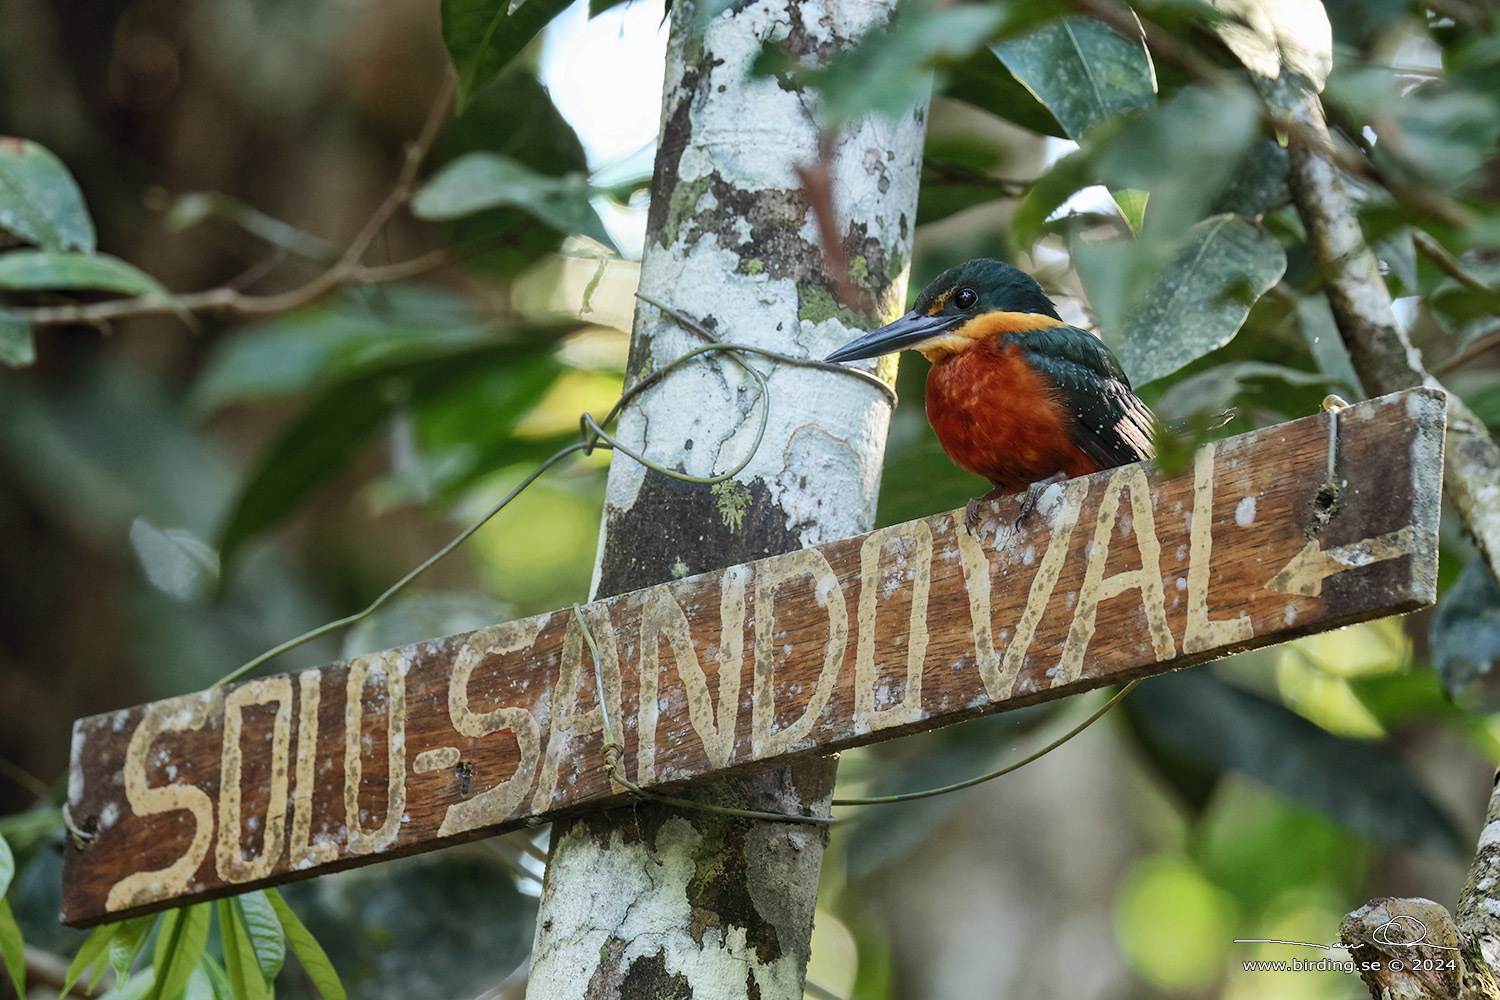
[(1033, 496), (971, 515)]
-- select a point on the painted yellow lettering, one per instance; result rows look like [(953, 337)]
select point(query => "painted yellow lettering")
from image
[(1202, 632), (826, 592), (999, 674), (663, 618), (567, 723), (914, 559), (232, 864), (1146, 578), (498, 802), (174, 715), (389, 666), (307, 850)]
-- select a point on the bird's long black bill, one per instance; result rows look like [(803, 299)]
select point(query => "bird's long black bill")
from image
[(908, 331)]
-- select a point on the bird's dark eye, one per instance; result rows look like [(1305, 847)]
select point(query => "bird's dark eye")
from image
[(965, 298)]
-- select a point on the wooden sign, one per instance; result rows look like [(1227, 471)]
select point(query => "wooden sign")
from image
[(1293, 529)]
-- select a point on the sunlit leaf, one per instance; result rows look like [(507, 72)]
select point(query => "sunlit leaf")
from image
[(1287, 45), (1202, 297), (176, 561), (240, 966), (479, 181), (1202, 721), (92, 953), (264, 929), (314, 960), (1132, 206), (12, 947), (37, 270), (1081, 70), (180, 942), (39, 200), (223, 989), (127, 943), (17, 341), (1465, 631), (483, 36)]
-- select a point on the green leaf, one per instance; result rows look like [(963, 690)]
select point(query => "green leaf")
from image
[(1132, 206), (264, 927), (983, 81), (12, 947), (476, 182), (127, 943), (1061, 181), (1465, 631), (36, 270), (175, 560), (239, 955), (1257, 183), (313, 348), (39, 200), (179, 944), (91, 953), (7, 866), (314, 960), (223, 989), (1202, 297), (1195, 718), (319, 444), (1315, 318), (201, 984), (1081, 70), (483, 36), (1208, 128), (17, 341), (1287, 45), (886, 73)]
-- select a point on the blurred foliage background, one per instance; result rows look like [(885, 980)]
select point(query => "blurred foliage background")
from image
[(188, 477)]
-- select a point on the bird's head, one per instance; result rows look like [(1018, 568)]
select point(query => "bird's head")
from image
[(962, 306)]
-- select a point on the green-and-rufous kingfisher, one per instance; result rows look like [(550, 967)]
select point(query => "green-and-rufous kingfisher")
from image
[(1014, 394)]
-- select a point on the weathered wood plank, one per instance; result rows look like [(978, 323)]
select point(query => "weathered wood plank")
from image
[(1117, 575)]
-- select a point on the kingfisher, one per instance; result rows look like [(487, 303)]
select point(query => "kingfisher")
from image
[(1014, 394)]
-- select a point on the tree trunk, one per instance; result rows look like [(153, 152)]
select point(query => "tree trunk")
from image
[(652, 900)]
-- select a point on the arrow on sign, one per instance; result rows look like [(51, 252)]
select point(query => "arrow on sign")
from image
[(1307, 570)]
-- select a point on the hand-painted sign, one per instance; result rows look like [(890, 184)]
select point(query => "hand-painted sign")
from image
[(1293, 529)]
